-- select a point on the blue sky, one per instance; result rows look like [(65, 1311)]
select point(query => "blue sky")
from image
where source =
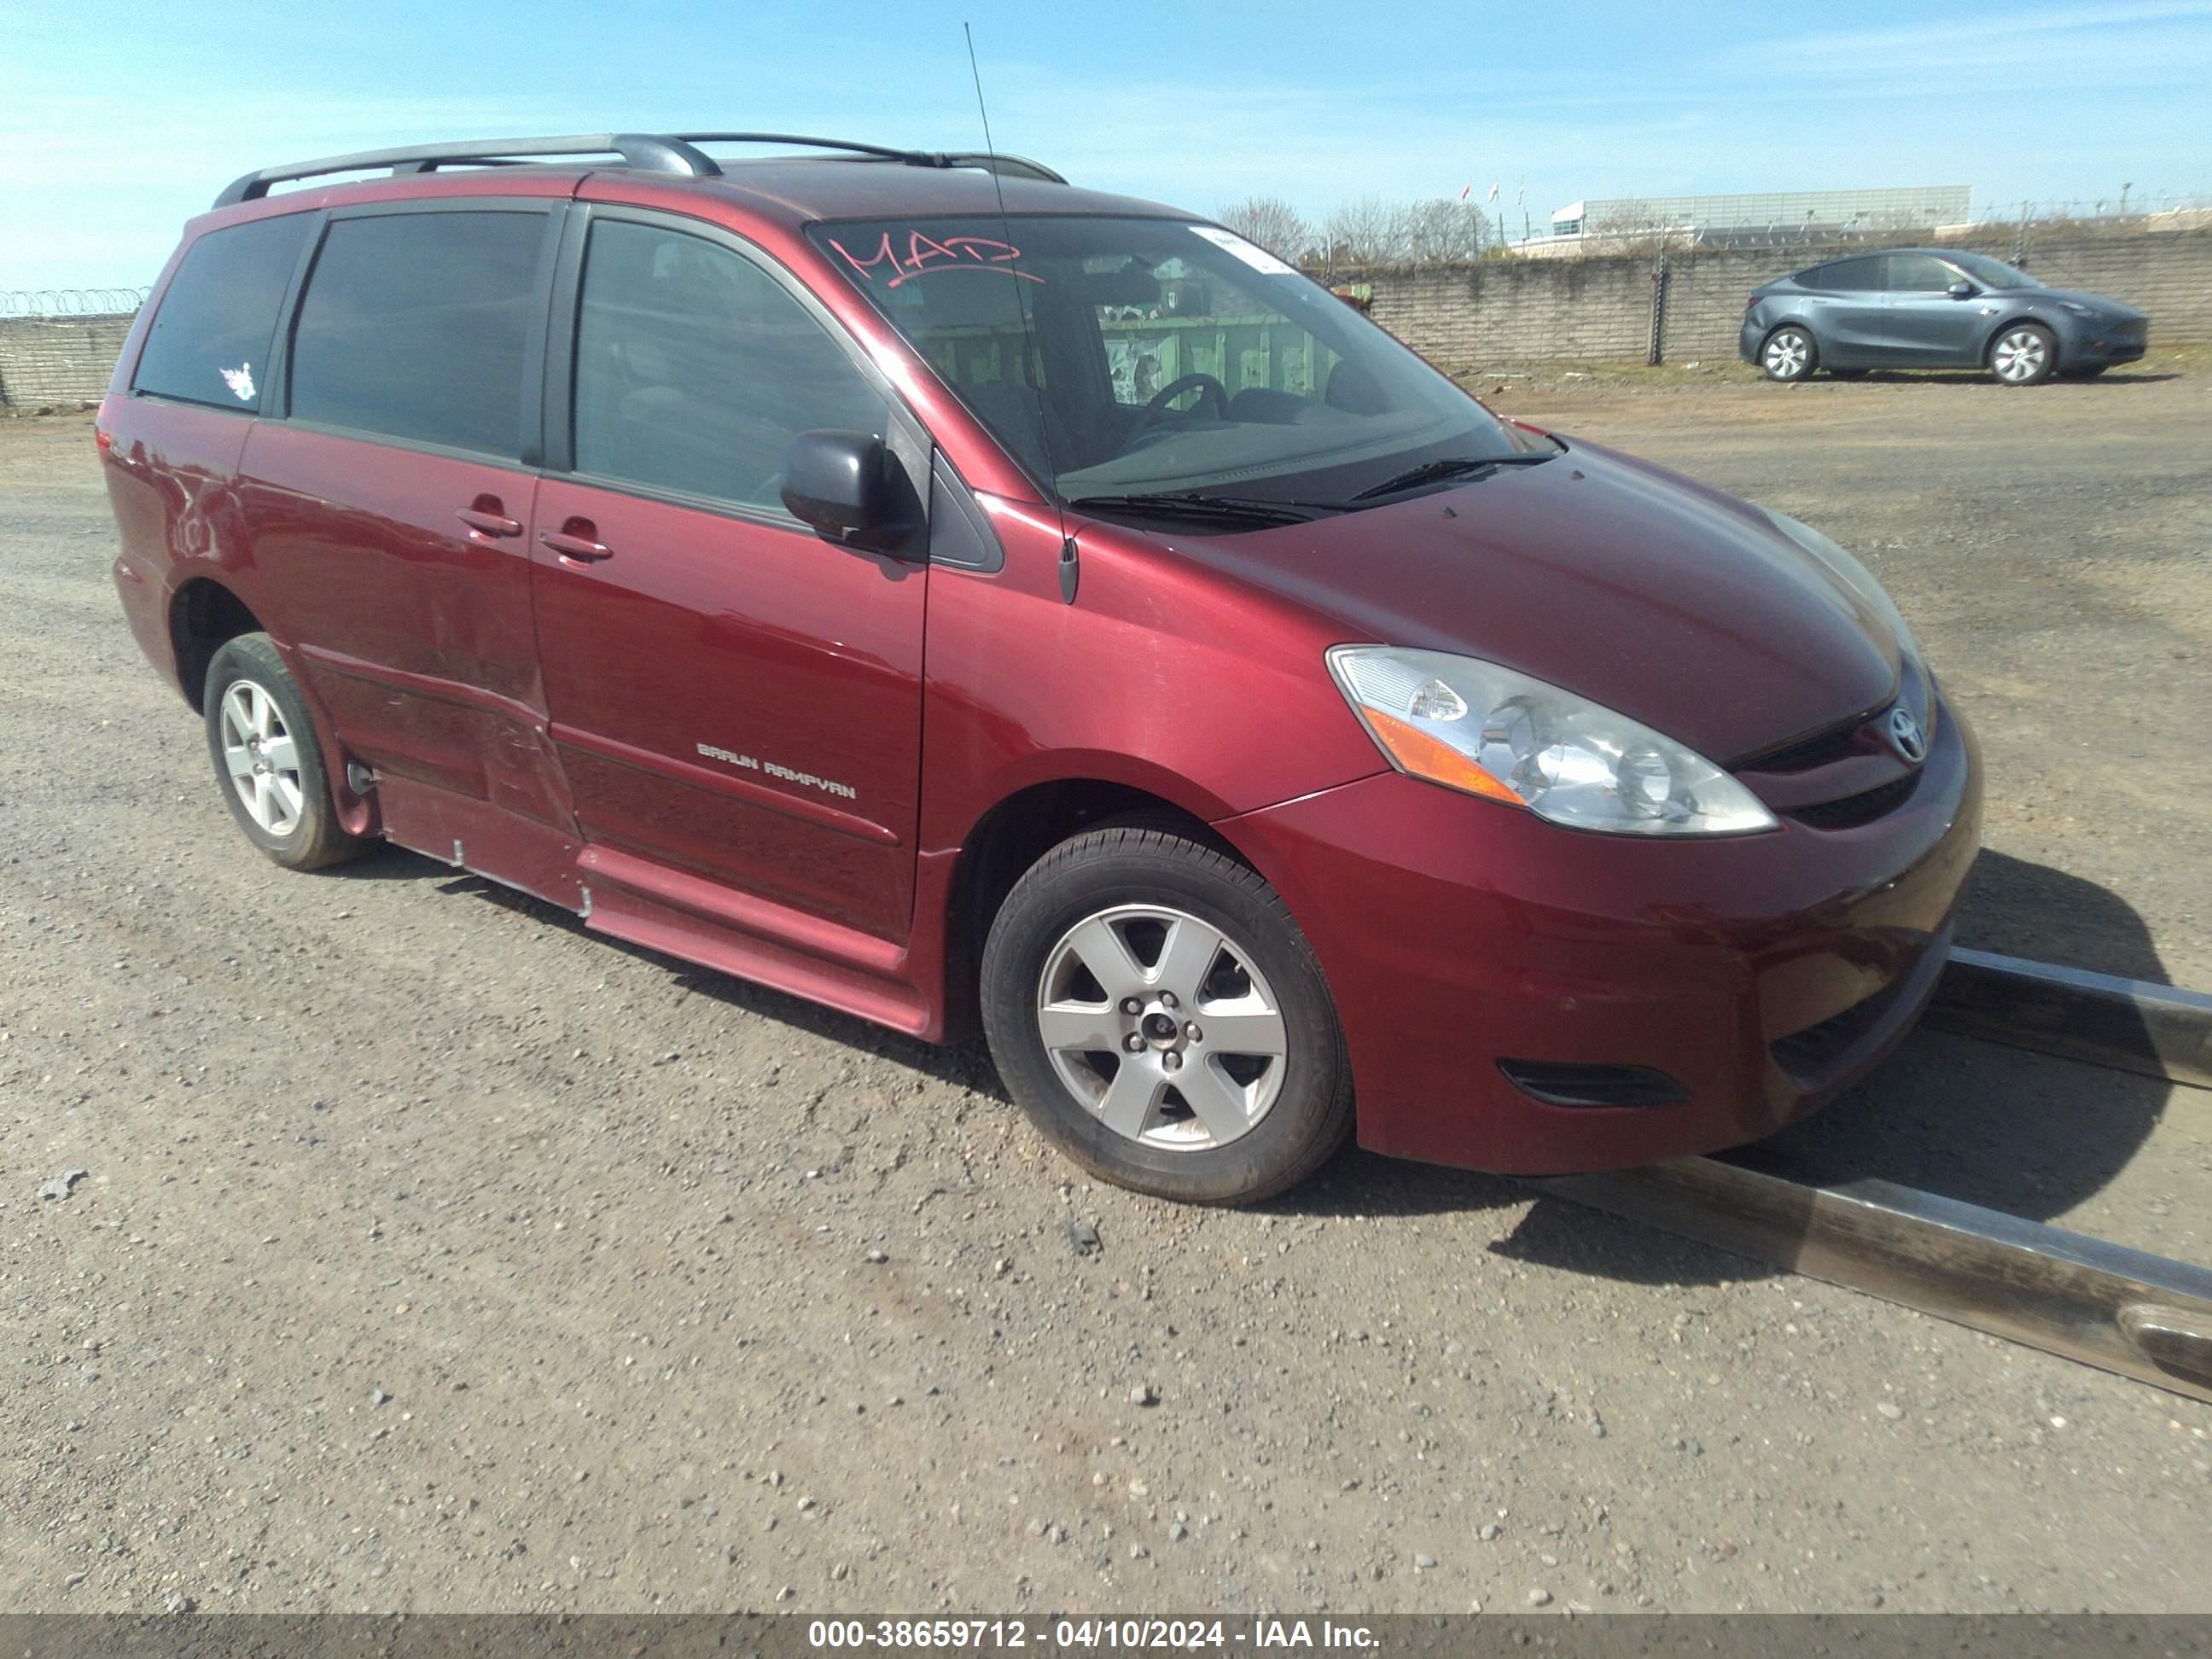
[(119, 120)]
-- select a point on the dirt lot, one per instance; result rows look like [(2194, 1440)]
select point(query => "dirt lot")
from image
[(432, 1254)]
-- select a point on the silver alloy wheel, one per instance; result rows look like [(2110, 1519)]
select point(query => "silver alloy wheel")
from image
[(1785, 355), (1162, 1027), (2019, 356), (263, 759)]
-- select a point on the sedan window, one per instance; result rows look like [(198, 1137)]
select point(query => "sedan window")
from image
[(1918, 273), (1993, 273), (1850, 277)]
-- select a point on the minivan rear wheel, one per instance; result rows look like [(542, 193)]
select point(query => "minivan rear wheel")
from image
[(1154, 1008), (1789, 355), (267, 763)]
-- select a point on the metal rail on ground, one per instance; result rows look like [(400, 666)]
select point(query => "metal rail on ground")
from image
[(2131, 1025), (2104, 1305)]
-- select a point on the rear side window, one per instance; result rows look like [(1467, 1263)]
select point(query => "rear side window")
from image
[(695, 369), (414, 325), (1847, 276), (209, 340)]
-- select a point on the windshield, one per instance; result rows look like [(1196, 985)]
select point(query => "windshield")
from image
[(1159, 356), (1991, 273)]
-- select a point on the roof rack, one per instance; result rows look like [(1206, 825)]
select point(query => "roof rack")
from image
[(677, 154), (1014, 167)]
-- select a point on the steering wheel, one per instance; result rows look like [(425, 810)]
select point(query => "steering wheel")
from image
[(1210, 390)]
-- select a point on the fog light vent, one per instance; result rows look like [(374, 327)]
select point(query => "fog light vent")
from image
[(1557, 1084)]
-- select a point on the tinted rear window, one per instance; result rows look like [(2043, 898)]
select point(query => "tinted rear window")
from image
[(209, 341), (414, 325), (1845, 277)]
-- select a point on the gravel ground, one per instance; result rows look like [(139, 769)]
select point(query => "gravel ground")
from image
[(429, 1252)]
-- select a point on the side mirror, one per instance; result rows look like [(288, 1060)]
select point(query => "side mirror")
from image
[(845, 485), (1962, 290)]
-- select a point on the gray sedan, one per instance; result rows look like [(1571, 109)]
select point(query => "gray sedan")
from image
[(1929, 308)]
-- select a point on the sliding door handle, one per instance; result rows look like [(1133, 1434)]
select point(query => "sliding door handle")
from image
[(581, 548), (489, 524)]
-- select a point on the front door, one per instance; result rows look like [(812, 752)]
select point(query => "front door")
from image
[(1924, 325), (733, 697)]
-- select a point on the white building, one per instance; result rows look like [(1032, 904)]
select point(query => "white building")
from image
[(1600, 225)]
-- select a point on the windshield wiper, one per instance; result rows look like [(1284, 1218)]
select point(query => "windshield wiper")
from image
[(1189, 504), (1450, 466)]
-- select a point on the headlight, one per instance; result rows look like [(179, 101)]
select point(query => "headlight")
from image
[(1473, 725), (2078, 310), (1854, 576)]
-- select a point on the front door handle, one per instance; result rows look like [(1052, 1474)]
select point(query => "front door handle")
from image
[(489, 524), (580, 549)]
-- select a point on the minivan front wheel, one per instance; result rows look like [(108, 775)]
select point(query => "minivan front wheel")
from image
[(262, 740), (1153, 1007), (1789, 355), (2023, 355)]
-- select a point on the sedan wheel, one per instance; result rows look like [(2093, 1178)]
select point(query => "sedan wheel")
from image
[(2023, 355), (1789, 355)]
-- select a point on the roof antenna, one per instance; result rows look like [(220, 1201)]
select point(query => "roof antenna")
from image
[(1070, 571)]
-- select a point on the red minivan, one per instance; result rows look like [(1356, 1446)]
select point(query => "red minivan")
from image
[(941, 592)]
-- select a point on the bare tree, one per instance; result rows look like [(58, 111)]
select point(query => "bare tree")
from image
[(1446, 231), (1631, 230), (1272, 222), (1366, 232)]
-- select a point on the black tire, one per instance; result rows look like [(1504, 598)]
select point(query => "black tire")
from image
[(2032, 345), (2083, 372), (1136, 865), (1789, 367), (310, 836)]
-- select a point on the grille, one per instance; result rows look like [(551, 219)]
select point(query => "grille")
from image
[(1862, 808), (1818, 749), (1557, 1084), (1805, 1055)]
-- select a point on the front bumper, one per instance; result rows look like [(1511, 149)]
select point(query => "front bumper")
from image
[(1763, 974), (2099, 345)]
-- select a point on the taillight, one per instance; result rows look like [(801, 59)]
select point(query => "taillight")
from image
[(102, 439), (1752, 304)]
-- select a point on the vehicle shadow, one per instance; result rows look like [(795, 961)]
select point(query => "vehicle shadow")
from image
[(1977, 377), (2025, 1134), (2028, 909)]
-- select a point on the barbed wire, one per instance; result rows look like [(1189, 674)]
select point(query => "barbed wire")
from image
[(2115, 213), (71, 301)]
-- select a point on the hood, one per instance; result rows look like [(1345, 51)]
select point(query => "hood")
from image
[(1673, 604), (2101, 303)]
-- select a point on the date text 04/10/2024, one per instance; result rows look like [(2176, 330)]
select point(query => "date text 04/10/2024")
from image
[(1087, 1634)]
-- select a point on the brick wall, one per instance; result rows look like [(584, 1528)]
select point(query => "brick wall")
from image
[(57, 361), (1599, 309), (1505, 308)]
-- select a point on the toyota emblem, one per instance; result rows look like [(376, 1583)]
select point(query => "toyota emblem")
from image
[(1904, 736)]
